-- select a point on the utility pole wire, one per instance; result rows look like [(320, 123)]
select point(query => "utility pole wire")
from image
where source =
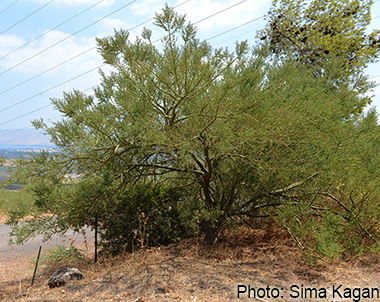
[(26, 128), (26, 114), (46, 90), (208, 17), (236, 27), (50, 30), (46, 71), (68, 37), (9, 6), (76, 56), (223, 10), (46, 106), (39, 109), (31, 14), (222, 33)]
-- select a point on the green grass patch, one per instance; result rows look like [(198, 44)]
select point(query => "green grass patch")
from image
[(16, 204), (59, 255)]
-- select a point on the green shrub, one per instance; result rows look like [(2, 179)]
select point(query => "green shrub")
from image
[(328, 236), (16, 204), (60, 254), (147, 215)]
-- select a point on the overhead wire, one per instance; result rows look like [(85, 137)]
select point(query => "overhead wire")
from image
[(93, 48), (46, 71), (60, 84), (25, 128), (375, 76), (97, 68), (49, 89), (210, 16), (54, 28), (219, 12), (234, 28), (23, 19), (68, 37), (41, 108), (16, 138), (9, 6), (76, 56), (24, 100), (38, 109)]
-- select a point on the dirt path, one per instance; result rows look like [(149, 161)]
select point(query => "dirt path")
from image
[(31, 247), (16, 262)]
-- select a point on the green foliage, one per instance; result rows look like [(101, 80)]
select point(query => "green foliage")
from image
[(328, 236), (147, 215), (318, 32), (233, 135), (318, 236), (60, 255), (16, 204)]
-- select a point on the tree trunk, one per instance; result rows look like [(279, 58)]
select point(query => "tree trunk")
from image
[(211, 235)]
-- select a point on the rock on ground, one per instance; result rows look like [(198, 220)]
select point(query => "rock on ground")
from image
[(63, 275)]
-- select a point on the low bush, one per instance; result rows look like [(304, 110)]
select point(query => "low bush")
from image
[(148, 215), (59, 255)]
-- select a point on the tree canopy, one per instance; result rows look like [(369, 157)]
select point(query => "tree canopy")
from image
[(318, 32)]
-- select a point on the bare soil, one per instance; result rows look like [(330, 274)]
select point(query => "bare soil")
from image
[(189, 271)]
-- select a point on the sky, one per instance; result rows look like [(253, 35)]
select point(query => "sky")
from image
[(48, 46)]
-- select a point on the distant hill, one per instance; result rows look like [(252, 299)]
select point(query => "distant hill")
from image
[(24, 139)]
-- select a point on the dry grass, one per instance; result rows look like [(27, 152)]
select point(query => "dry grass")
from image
[(3, 217), (182, 272)]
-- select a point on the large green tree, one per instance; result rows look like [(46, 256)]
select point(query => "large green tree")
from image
[(318, 32), (230, 134)]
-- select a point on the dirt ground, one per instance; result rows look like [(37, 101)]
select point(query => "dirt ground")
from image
[(254, 264)]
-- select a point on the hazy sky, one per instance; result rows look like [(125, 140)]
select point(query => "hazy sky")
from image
[(48, 46)]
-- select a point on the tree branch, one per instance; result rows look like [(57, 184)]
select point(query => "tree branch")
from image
[(293, 185)]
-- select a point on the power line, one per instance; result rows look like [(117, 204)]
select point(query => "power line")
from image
[(150, 19), (51, 88), (219, 12), (23, 19), (46, 106), (39, 109), (210, 16), (94, 47), (52, 68), (9, 6), (236, 27), (76, 56), (234, 37), (23, 115), (25, 128), (17, 138), (68, 37), (34, 111), (375, 76), (50, 30), (46, 71)]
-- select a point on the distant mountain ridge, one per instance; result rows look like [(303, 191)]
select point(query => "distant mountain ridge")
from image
[(23, 139)]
